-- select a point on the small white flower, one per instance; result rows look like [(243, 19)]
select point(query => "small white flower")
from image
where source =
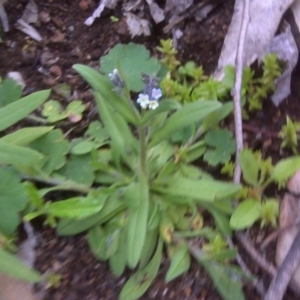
[(143, 100), (153, 104), (156, 93)]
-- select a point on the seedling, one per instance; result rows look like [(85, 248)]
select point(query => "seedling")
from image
[(289, 135)]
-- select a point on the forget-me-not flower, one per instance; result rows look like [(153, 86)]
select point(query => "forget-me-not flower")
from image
[(153, 104), (156, 93), (143, 100)]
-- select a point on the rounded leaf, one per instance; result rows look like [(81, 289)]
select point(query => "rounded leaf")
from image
[(246, 214)]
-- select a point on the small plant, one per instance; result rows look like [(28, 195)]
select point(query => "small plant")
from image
[(289, 135), (134, 187), (138, 190), (188, 83), (54, 112), (258, 174)]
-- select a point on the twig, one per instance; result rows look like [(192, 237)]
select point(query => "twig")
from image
[(271, 237), (3, 17), (287, 269), (236, 92), (266, 266)]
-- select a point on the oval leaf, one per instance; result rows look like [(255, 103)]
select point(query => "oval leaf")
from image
[(285, 168), (250, 167), (246, 214), (73, 208), (83, 148)]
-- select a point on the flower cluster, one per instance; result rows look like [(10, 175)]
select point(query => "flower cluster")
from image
[(146, 101)]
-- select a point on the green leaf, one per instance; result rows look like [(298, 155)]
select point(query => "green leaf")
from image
[(102, 85), (222, 222), (53, 111), (149, 247), (111, 208), (13, 199), (203, 189), (63, 90), (19, 156), (33, 194), (10, 91), (227, 281), (75, 208), (116, 126), (12, 266), (123, 57), (14, 112), (195, 151), (165, 106), (285, 168), (137, 285), (104, 242), (83, 148), (180, 263), (55, 148), (78, 168), (189, 114), (96, 238), (216, 116), (223, 144), (246, 214), (117, 261), (97, 133), (74, 110), (137, 196), (250, 167), (25, 136)]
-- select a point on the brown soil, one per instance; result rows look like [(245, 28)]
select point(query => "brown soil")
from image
[(67, 38)]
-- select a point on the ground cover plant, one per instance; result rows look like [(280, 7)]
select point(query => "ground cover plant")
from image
[(136, 189)]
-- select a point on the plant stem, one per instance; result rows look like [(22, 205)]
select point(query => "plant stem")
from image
[(143, 148), (37, 119), (61, 184)]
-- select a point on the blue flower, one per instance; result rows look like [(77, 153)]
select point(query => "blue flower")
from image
[(143, 100), (156, 93)]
